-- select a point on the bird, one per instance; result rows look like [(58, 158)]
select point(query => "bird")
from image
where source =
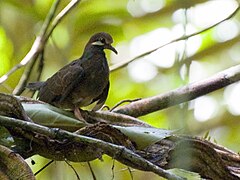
[(82, 81)]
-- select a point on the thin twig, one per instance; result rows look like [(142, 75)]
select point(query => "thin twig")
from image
[(37, 46), (74, 170), (185, 77), (49, 18), (125, 63), (40, 170), (92, 172), (23, 80), (40, 66), (60, 16), (123, 101), (105, 107), (26, 75), (40, 41)]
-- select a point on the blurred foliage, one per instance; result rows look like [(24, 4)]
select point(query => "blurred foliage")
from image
[(20, 22)]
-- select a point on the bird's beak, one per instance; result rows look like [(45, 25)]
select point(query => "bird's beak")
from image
[(109, 46)]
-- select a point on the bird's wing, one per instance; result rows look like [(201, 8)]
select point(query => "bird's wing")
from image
[(58, 87), (101, 98)]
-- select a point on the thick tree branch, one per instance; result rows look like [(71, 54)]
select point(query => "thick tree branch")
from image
[(190, 153), (112, 118), (183, 94), (90, 142), (113, 150)]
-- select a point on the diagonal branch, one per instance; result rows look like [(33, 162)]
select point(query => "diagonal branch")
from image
[(49, 18), (27, 72), (61, 15), (108, 148), (125, 63), (41, 40), (183, 94), (210, 160), (86, 144)]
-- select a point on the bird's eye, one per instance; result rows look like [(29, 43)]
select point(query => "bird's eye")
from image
[(102, 40)]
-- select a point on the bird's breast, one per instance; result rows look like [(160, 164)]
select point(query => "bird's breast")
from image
[(94, 80)]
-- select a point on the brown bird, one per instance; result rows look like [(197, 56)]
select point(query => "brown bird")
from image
[(81, 82)]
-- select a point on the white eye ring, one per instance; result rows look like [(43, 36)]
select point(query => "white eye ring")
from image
[(98, 43)]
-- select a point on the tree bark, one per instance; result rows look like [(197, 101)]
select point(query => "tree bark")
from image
[(209, 160)]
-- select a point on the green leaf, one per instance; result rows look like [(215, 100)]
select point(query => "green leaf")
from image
[(185, 174), (50, 116), (144, 136)]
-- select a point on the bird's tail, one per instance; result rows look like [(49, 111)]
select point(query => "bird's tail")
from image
[(35, 85)]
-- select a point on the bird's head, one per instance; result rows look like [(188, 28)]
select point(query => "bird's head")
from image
[(103, 40)]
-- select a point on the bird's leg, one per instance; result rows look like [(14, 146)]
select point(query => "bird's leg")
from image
[(78, 115)]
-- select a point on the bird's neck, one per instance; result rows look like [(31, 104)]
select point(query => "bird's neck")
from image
[(90, 51)]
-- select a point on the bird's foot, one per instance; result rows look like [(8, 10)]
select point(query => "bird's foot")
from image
[(78, 115)]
